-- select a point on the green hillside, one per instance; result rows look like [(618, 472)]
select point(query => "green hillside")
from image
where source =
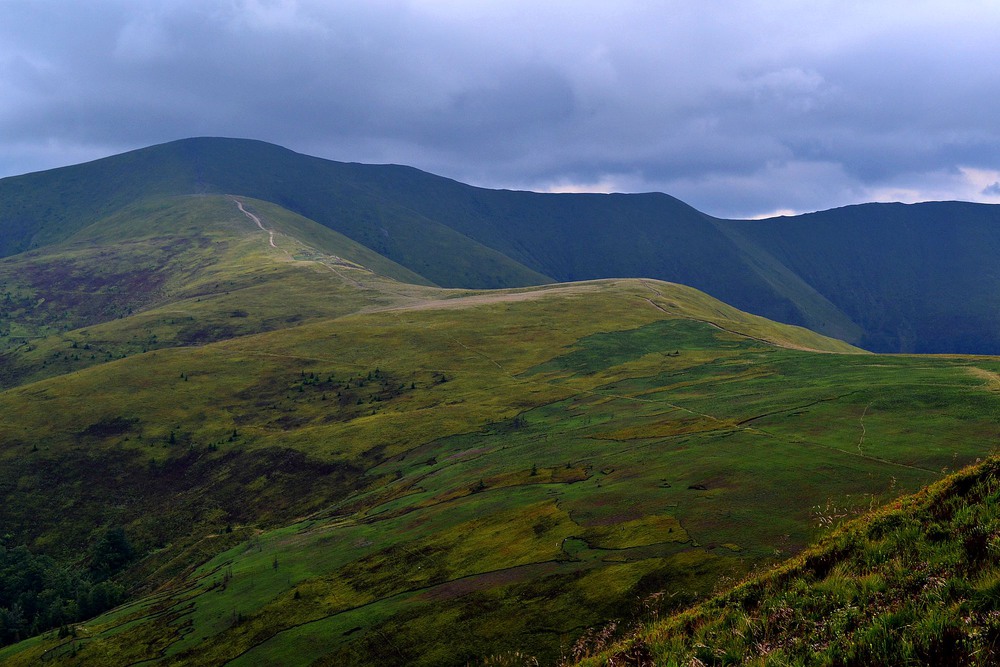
[(914, 278), (279, 454), (182, 270), (237, 434), (47, 207), (889, 278), (911, 584)]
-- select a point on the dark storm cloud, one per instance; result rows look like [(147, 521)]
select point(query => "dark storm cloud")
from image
[(738, 107)]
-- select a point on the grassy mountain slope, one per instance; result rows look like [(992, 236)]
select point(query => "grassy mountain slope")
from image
[(401, 212), (914, 583), (915, 278), (391, 466), (888, 277), (189, 270), (316, 459), (47, 207)]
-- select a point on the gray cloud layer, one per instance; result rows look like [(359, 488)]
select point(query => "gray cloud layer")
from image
[(738, 107)]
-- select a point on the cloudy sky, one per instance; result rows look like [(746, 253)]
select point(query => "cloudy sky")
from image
[(738, 107)]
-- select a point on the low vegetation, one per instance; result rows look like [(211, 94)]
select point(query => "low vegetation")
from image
[(914, 583), (314, 463)]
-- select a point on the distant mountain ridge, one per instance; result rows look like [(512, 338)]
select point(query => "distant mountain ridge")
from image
[(887, 277)]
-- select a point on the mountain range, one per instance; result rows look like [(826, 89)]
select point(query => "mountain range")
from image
[(886, 277), (265, 409)]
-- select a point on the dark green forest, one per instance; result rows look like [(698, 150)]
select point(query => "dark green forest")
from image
[(38, 593)]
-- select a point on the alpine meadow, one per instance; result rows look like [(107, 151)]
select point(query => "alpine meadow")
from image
[(261, 408)]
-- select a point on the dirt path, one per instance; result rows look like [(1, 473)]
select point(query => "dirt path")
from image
[(481, 354), (341, 275), (992, 379), (864, 431), (270, 239), (270, 232), (498, 296), (772, 343)]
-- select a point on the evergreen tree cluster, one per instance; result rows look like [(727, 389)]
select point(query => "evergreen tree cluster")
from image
[(37, 593)]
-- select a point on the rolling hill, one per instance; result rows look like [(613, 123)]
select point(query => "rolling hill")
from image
[(280, 448), (886, 277)]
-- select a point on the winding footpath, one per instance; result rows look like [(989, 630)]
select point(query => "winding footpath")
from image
[(270, 232), (270, 235), (864, 431)]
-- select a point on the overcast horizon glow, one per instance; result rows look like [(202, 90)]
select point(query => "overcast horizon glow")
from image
[(739, 108)]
